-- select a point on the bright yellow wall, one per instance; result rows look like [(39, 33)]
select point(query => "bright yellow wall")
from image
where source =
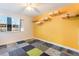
[(58, 30)]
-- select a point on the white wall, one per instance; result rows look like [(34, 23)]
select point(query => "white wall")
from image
[(9, 37)]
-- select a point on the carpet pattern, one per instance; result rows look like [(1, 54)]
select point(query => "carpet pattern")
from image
[(34, 47)]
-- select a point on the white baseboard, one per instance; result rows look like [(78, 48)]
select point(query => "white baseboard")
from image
[(13, 41), (58, 44)]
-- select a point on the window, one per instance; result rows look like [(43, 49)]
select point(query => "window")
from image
[(10, 24)]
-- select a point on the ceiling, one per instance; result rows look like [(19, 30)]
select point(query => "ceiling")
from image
[(20, 8)]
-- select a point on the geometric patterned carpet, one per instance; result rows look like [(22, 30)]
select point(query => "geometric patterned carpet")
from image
[(34, 47)]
